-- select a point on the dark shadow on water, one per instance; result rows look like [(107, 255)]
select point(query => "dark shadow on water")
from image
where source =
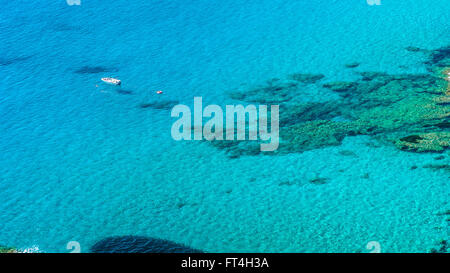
[(9, 61), (139, 244), (95, 69), (124, 92), (159, 105), (63, 27)]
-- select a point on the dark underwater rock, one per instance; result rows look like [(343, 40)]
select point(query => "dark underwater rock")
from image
[(427, 142), (444, 213), (413, 49), (289, 183), (139, 244), (238, 148), (412, 139), (444, 247), (316, 134), (439, 57), (341, 86), (347, 153), (445, 167), (273, 93), (95, 70), (297, 113), (306, 78), (352, 65), (369, 76), (443, 125), (244, 148), (159, 105), (319, 180), (444, 103), (62, 27), (224, 144), (181, 204), (10, 61), (124, 92)]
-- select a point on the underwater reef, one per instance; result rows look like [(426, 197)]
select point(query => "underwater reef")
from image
[(139, 244), (409, 111), (444, 247), (4, 249)]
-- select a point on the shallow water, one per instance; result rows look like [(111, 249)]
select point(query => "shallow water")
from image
[(82, 163)]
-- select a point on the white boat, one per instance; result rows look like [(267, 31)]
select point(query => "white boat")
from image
[(112, 81)]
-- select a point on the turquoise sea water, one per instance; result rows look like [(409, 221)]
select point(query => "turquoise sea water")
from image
[(82, 163)]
